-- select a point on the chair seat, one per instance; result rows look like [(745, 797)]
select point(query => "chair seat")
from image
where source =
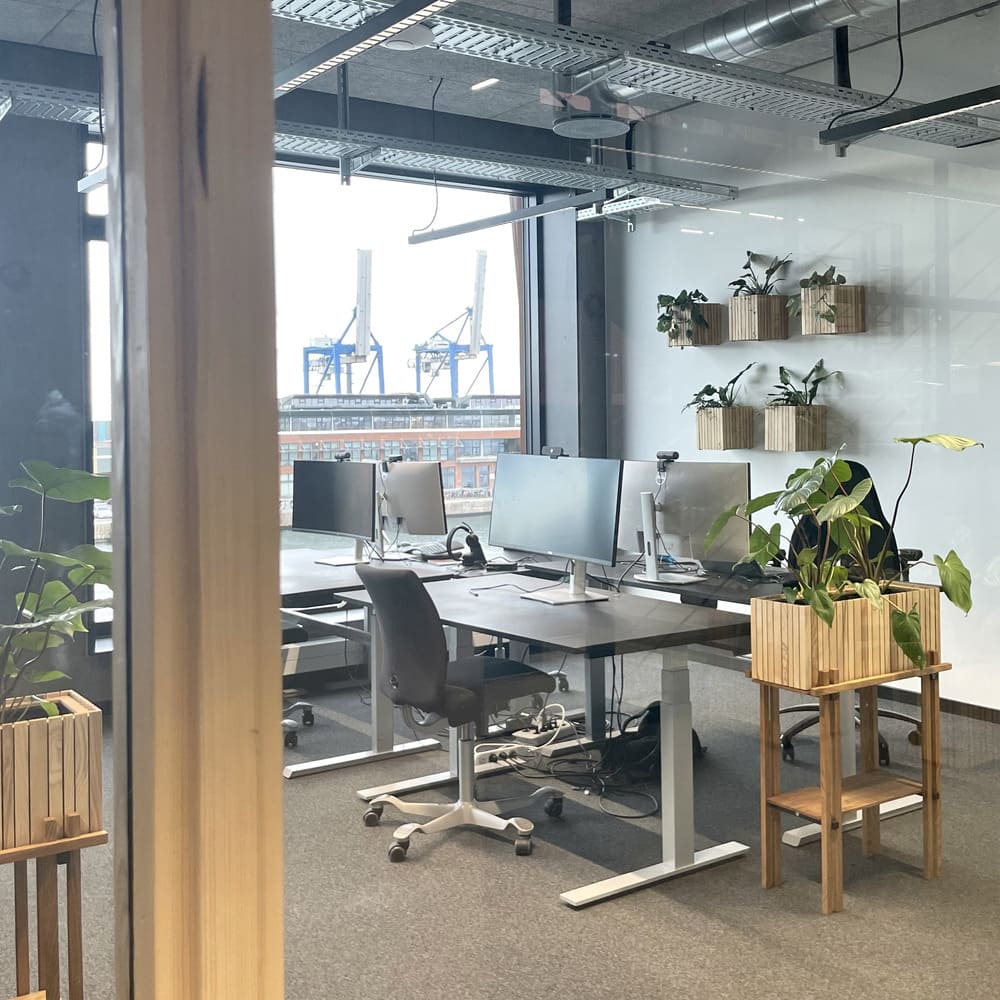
[(477, 685)]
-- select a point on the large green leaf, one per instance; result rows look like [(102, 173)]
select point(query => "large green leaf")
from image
[(45, 558), (71, 485), (764, 544), (906, 632), (35, 642), (44, 677), (950, 441), (844, 502), (56, 619), (803, 486), (760, 503), (9, 509), (869, 590), (956, 580), (717, 525), (53, 599), (96, 566), (819, 599)]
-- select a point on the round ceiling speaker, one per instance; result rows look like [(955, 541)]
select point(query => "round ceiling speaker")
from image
[(416, 36), (588, 125)]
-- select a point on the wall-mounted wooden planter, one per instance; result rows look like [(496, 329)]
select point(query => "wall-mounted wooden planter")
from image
[(792, 647), (795, 428), (848, 302), (696, 335), (50, 768), (723, 427), (758, 317)]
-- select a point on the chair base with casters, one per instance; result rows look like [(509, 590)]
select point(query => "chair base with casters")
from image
[(292, 634), (466, 811), (884, 757)]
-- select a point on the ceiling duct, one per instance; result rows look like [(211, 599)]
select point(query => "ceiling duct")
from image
[(750, 30)]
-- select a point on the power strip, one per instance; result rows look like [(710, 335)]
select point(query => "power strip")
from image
[(555, 732)]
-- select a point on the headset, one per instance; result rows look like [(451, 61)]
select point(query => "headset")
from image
[(472, 551)]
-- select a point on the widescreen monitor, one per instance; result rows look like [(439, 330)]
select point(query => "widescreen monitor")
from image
[(414, 498), (564, 507), (688, 500), (335, 498)]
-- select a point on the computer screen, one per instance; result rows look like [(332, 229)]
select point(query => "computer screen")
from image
[(691, 497), (334, 498), (565, 507), (414, 492)]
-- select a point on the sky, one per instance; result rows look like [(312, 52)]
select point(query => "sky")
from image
[(320, 225)]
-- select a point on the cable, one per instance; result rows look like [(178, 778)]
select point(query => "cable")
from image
[(899, 77), (433, 139)]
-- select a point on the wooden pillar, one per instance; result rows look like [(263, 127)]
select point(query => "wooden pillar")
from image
[(195, 488), (770, 784), (870, 817), (930, 753), (831, 823)]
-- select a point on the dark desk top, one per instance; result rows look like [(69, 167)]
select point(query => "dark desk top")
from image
[(305, 583), (624, 623)]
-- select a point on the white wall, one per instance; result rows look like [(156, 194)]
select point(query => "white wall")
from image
[(916, 223)]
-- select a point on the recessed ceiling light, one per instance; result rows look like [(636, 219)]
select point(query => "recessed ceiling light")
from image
[(416, 36), (483, 84)]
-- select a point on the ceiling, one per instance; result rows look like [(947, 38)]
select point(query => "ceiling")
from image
[(410, 78)]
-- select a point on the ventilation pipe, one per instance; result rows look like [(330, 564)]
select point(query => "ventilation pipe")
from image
[(765, 24)]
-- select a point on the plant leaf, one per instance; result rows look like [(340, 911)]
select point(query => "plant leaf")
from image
[(71, 485), (842, 504), (906, 633), (45, 558), (869, 590), (10, 509), (956, 580), (950, 441), (760, 503), (802, 486), (819, 599), (45, 677), (717, 525), (95, 565)]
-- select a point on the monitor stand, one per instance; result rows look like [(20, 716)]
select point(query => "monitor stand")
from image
[(574, 592), (359, 557), (647, 510)]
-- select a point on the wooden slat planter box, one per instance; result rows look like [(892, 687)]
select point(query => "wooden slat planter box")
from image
[(701, 336), (795, 428), (790, 646), (849, 302), (758, 317), (720, 428), (50, 768)]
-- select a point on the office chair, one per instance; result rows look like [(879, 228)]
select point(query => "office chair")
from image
[(292, 634), (415, 673), (897, 561)]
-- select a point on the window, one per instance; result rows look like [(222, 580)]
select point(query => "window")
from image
[(469, 447), (465, 420), (484, 476), (410, 450), (398, 420), (286, 454), (447, 447), (429, 450), (468, 476), (448, 476), (369, 449)]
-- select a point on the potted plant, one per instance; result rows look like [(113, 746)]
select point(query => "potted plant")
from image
[(849, 616), (757, 311), (50, 744), (719, 422), (827, 304), (690, 320), (793, 421)]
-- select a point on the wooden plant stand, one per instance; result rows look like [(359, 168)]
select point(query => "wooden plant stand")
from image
[(49, 856), (865, 791)]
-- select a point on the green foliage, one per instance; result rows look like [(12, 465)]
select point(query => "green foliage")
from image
[(791, 394), (680, 313), (751, 283), (716, 396), (52, 588), (824, 308), (845, 566)]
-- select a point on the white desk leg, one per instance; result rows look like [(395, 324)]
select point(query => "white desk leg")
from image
[(383, 739), (676, 797), (809, 833)]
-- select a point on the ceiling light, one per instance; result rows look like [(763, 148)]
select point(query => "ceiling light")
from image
[(583, 125), (416, 36), (6, 103), (916, 115), (694, 232), (374, 31), (491, 81)]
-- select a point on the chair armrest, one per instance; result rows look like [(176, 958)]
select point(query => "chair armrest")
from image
[(911, 555)]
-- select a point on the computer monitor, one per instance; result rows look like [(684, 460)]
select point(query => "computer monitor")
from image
[(335, 498), (688, 500), (414, 498), (564, 507)]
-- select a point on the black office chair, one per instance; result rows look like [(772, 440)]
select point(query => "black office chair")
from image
[(415, 672), (292, 634), (897, 562)]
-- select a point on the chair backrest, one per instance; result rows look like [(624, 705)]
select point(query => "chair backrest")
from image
[(809, 533), (414, 656)]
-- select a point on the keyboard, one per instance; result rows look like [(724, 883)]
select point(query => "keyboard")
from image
[(430, 549)]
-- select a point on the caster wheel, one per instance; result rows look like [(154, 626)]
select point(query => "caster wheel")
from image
[(914, 738), (308, 718), (787, 750), (884, 759), (291, 740), (554, 807), (562, 683), (397, 850), (522, 846), (372, 816)]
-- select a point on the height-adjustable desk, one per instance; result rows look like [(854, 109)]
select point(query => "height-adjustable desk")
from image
[(622, 624), (308, 584)]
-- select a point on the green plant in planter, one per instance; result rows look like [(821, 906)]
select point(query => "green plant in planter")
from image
[(681, 313), (825, 309), (842, 564), (716, 396), (790, 394), (50, 602), (751, 283)]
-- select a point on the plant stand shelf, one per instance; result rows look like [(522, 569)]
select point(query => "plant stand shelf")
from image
[(49, 856), (826, 803)]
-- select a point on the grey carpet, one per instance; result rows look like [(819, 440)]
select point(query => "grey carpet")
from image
[(464, 917)]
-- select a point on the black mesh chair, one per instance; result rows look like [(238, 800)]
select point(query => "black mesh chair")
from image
[(414, 672), (293, 634), (897, 562)]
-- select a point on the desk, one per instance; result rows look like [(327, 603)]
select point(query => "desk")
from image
[(306, 584), (622, 624)]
